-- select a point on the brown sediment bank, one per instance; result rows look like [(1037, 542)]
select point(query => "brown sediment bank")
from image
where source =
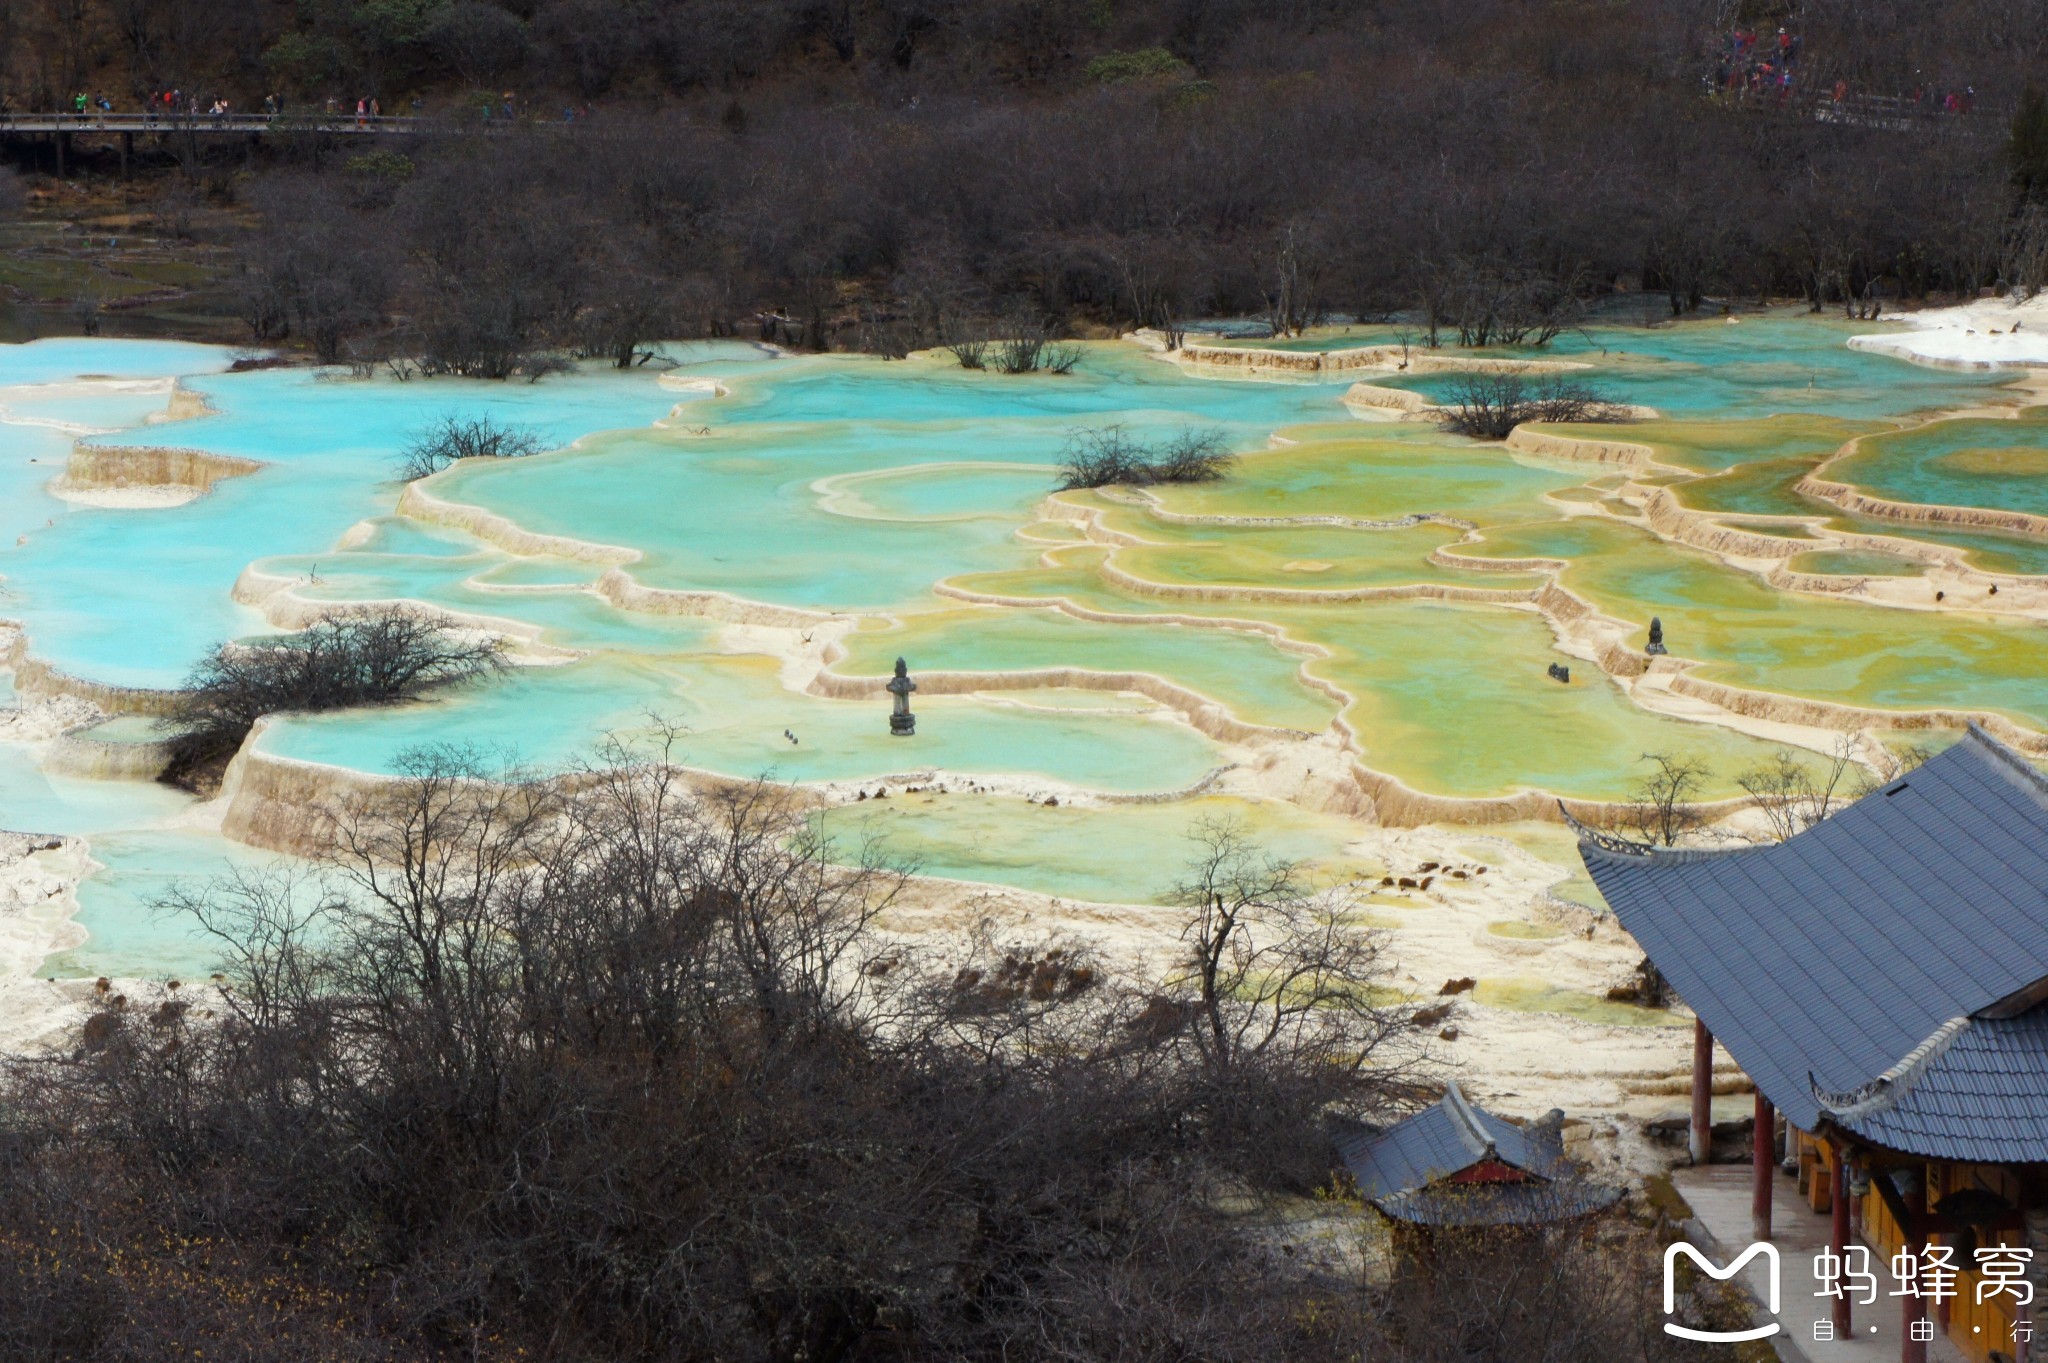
[(1860, 503), (1673, 520), (1398, 402), (99, 468), (1157, 510), (619, 588), (185, 404), (1201, 713), (99, 759), (284, 804), (1405, 591), (1856, 501), (1397, 805), (1819, 584), (37, 680), (1534, 438), (1447, 556), (1392, 358), (1826, 714), (503, 531), (614, 585)]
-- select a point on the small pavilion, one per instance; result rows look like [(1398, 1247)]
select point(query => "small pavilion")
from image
[(1882, 978), (1455, 1166)]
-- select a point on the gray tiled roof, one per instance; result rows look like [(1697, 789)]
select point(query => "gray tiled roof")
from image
[(1500, 1204), (1440, 1141), (1400, 1170), (1823, 961), (1977, 1090)]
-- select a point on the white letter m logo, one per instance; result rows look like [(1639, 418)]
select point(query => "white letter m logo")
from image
[(1770, 1254)]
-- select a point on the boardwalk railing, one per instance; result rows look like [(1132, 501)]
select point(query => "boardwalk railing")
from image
[(295, 122), (1896, 113)]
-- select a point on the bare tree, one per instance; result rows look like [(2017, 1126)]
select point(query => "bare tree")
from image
[(1540, 1294), (1663, 805), (1100, 456), (561, 1049), (364, 656), (1490, 406), (1792, 795), (1291, 269), (451, 437), (1277, 985), (1026, 347)]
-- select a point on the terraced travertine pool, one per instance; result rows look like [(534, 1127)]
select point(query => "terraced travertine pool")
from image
[(743, 543)]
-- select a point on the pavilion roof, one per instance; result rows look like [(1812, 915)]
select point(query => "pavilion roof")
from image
[(1404, 1170), (1830, 962)]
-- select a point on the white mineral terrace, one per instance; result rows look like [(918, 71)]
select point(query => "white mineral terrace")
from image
[(1345, 644)]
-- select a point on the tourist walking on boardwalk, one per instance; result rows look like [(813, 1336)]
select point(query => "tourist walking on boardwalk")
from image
[(361, 109)]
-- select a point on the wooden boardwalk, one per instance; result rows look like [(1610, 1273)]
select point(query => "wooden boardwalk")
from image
[(340, 125)]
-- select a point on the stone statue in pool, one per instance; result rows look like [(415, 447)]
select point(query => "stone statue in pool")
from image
[(1656, 636), (902, 724)]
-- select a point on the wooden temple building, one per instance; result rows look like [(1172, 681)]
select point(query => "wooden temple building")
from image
[(1454, 1166), (1882, 978)]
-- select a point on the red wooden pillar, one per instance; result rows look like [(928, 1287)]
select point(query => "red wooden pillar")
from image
[(1915, 1307), (1838, 1233), (1760, 1166), (1702, 1141)]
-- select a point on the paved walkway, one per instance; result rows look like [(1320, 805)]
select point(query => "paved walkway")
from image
[(1719, 1195)]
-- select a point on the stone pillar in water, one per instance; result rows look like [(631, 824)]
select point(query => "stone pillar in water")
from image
[(902, 724)]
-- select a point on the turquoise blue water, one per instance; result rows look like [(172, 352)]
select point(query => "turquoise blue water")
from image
[(60, 359), (855, 487), (35, 801), (2001, 464), (83, 584), (128, 932), (1754, 368), (733, 716)]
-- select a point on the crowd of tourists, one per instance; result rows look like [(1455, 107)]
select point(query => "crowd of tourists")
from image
[(1756, 63), (169, 106)]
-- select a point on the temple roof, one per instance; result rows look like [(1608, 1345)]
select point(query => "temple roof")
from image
[(1402, 1171), (1976, 1090), (1828, 961)]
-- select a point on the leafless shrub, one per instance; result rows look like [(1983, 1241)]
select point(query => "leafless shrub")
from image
[(540, 1063), (2024, 263), (1060, 357), (451, 437), (1274, 983), (1793, 795), (1553, 1294), (1023, 346), (1192, 456), (1664, 806), (970, 351), (368, 656), (1490, 406), (85, 311), (1489, 303), (1022, 353), (1102, 456), (1888, 765)]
